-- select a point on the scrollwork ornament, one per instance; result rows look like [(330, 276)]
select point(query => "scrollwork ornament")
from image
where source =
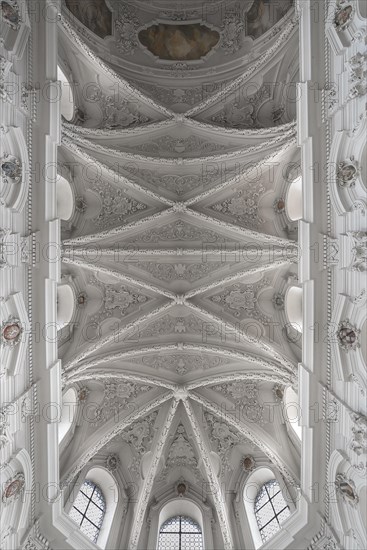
[(359, 250), (359, 438), (4, 425), (231, 36), (127, 25), (13, 488)]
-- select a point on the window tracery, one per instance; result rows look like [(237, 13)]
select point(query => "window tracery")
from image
[(89, 509), (180, 533), (270, 509)]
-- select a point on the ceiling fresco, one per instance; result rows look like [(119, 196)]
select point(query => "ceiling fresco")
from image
[(179, 42), (94, 14)]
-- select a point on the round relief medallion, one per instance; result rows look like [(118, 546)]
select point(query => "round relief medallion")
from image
[(343, 17), (279, 205), (11, 332), (13, 487), (10, 168), (348, 336), (10, 14), (248, 463), (346, 174)]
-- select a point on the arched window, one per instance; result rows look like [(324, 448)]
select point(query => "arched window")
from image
[(270, 509), (67, 96), (180, 533), (294, 200), (64, 199), (89, 509), (293, 307), (65, 302), (69, 404), (293, 411)]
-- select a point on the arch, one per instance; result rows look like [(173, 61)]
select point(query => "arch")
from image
[(362, 8), (180, 531), (292, 411), (293, 307), (262, 490), (98, 485), (294, 200), (170, 504), (69, 403), (64, 199), (65, 305), (67, 104), (181, 507)]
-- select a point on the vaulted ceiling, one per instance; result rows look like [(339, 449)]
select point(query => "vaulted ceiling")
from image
[(179, 242)]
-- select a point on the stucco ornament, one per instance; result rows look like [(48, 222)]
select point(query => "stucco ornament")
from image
[(11, 169), (347, 173), (248, 463), (112, 462), (346, 489), (348, 336), (13, 488), (126, 27), (11, 332), (10, 14), (343, 16)]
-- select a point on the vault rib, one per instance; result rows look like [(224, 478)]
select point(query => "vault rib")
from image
[(119, 275), (148, 482), (242, 231), (70, 378), (237, 332), (235, 376), (235, 276), (132, 252), (234, 84), (120, 230), (215, 487), (69, 144), (117, 335), (75, 38), (112, 433), (247, 431), (273, 367), (238, 179)]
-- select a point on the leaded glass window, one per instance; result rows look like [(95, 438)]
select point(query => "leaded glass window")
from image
[(89, 509), (180, 533), (270, 509)]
